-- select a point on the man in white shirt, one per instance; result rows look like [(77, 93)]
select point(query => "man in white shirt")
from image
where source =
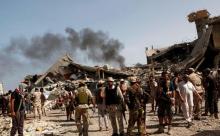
[(185, 91)]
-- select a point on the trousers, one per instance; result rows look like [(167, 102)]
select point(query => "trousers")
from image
[(17, 124)]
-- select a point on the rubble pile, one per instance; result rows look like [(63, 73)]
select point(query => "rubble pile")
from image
[(41, 128), (201, 53), (31, 127), (5, 127)]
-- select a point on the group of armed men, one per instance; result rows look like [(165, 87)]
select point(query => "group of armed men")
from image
[(169, 94)]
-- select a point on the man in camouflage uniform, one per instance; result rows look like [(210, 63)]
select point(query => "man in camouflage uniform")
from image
[(83, 96), (113, 100), (153, 88), (37, 103), (134, 99), (196, 80)]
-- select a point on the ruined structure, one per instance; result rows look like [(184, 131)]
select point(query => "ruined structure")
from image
[(201, 53), (66, 69)]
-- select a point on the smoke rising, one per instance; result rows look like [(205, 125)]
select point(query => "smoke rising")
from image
[(97, 47)]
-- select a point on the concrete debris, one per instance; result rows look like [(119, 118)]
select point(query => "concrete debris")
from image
[(6, 124), (199, 54)]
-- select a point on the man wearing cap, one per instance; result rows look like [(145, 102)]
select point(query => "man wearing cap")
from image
[(197, 82), (123, 86), (100, 101), (113, 99), (83, 98), (134, 99)]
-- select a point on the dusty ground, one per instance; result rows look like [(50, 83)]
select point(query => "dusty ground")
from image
[(56, 123)]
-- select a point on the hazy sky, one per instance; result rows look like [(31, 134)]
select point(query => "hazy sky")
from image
[(135, 23)]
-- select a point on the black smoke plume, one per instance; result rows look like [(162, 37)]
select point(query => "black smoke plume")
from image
[(97, 47)]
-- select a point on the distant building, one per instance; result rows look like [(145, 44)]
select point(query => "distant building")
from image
[(1, 88)]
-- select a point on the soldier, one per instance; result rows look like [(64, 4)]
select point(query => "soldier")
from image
[(123, 86), (134, 99), (100, 101), (43, 100), (212, 97), (113, 99), (83, 97), (27, 98), (197, 82), (153, 89), (165, 100), (37, 103)]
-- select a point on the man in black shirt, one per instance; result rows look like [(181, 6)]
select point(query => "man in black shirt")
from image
[(210, 85), (17, 113), (113, 99)]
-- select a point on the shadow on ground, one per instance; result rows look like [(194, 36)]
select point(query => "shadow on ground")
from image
[(208, 133)]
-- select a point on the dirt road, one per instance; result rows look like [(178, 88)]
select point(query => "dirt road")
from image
[(204, 127)]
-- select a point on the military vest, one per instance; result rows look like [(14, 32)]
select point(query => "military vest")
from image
[(112, 96)]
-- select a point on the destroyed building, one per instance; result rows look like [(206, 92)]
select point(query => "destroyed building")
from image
[(201, 53), (66, 69)]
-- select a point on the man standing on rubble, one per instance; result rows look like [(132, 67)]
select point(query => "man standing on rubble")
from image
[(17, 112), (165, 100), (83, 98), (212, 93), (37, 103), (134, 99), (113, 101), (196, 80), (100, 101)]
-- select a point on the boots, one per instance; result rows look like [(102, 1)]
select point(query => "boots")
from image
[(160, 129), (216, 115), (169, 130)]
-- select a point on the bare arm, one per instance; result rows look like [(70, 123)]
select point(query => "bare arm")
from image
[(12, 106), (180, 96)]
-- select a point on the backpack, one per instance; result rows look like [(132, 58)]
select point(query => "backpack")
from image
[(82, 96)]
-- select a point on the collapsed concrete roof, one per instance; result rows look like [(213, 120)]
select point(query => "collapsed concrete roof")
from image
[(65, 67), (200, 53)]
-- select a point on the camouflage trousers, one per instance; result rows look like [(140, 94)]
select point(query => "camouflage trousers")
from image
[(136, 116), (17, 124), (197, 107), (37, 109), (82, 127)]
